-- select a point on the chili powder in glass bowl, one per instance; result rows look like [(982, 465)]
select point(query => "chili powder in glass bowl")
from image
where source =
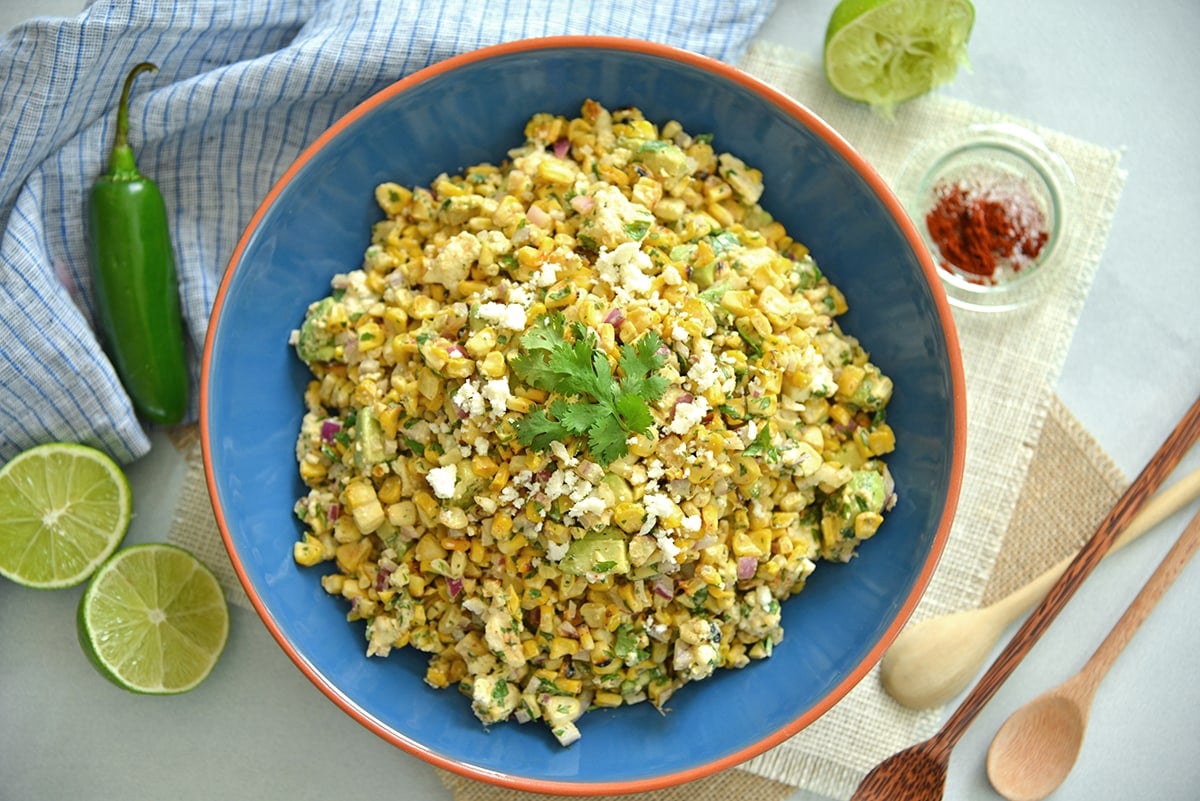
[(991, 202)]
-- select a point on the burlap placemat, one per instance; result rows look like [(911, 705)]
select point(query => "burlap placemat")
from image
[(1011, 361)]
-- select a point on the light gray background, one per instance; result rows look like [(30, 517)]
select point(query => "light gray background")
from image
[(1118, 74)]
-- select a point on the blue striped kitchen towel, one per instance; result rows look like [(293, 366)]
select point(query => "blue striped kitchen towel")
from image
[(242, 87)]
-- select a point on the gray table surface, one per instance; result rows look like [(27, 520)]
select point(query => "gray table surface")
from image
[(1118, 74)]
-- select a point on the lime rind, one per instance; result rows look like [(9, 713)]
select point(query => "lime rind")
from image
[(885, 52), (64, 509), (153, 620)]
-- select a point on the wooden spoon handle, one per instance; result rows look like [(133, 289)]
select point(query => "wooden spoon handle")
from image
[(1139, 609), (1155, 471), (1156, 510)]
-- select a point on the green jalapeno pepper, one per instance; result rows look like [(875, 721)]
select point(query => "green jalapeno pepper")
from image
[(133, 267)]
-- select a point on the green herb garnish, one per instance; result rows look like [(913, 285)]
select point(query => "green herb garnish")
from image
[(607, 407)]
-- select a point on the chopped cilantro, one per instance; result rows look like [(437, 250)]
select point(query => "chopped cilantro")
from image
[(609, 408), (638, 229)]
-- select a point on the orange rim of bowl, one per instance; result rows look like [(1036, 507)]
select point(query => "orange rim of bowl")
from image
[(958, 398)]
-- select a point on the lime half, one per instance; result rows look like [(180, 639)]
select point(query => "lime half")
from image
[(64, 508), (884, 52), (153, 619)]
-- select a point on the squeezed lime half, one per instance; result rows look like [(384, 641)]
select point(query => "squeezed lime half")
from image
[(884, 52)]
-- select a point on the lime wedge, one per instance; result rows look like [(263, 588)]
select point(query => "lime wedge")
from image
[(153, 619), (64, 509), (884, 52)]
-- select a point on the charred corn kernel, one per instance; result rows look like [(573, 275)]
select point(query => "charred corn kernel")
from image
[(518, 404), (423, 307), (478, 553), (500, 479), (481, 343), (426, 505), (745, 471), (530, 648), (309, 551), (429, 548), (604, 698), (563, 646), (866, 524), (840, 415), (453, 518), (629, 516), (389, 491), (502, 525), (556, 171), (392, 198), (493, 365), (483, 465), (350, 556), (849, 380), (510, 546), (402, 513), (882, 440), (312, 469), (459, 367)]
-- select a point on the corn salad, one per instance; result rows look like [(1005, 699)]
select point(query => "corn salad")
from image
[(607, 536)]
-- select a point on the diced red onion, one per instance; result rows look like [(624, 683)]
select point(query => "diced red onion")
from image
[(538, 216), (453, 586), (615, 317), (381, 579), (456, 350), (562, 146), (747, 566), (685, 397), (333, 512), (663, 587), (329, 428), (583, 203)]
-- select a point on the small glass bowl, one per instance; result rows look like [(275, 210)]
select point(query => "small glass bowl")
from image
[(1009, 152)]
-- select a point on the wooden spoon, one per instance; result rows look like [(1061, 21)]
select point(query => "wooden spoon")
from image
[(933, 660), (1036, 747), (918, 773)]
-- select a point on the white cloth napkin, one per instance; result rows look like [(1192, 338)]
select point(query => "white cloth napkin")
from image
[(243, 86)]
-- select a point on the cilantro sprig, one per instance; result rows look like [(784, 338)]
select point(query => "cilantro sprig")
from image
[(590, 400)]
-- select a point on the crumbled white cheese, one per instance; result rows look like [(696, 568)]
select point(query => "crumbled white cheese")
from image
[(705, 373), (469, 401), (497, 395), (555, 552), (689, 415), (442, 480), (452, 263), (589, 505), (505, 315)]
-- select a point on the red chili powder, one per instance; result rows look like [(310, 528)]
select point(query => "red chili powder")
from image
[(985, 222)]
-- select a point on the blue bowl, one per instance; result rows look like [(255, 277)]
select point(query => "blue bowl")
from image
[(315, 222)]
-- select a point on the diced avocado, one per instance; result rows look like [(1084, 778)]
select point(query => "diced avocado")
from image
[(597, 552), (874, 391), (703, 275), (862, 493), (662, 158), (368, 440), (316, 342)]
